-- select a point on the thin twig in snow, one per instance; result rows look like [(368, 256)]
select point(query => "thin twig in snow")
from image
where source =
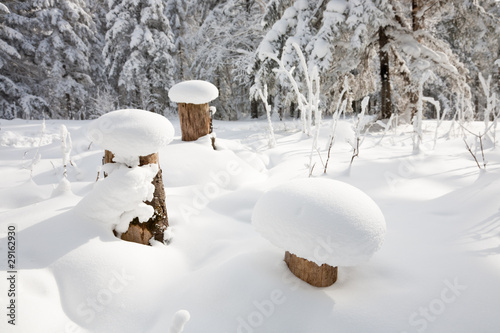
[(470, 151)]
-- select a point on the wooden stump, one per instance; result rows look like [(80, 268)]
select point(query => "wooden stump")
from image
[(308, 271), (154, 228), (195, 120)]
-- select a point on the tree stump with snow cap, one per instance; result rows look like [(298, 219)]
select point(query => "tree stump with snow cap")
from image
[(192, 98), (310, 272), (320, 224), (154, 228), (133, 138)]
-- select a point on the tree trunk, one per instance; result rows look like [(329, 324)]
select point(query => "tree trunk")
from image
[(308, 271), (195, 120), (254, 110), (292, 110), (417, 24), (155, 227), (416, 20), (68, 107), (385, 91)]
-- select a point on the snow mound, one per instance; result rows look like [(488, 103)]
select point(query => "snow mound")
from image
[(193, 92), (301, 4), (26, 140), (321, 48), (180, 319), (321, 220), (290, 13), (119, 198), (62, 188), (25, 194), (338, 6), (131, 133)]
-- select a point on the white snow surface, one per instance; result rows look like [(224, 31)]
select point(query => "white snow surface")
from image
[(437, 271), (322, 220), (131, 133), (193, 92)]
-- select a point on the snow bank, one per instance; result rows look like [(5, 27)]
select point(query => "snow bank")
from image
[(321, 220), (119, 198), (131, 133), (28, 139), (443, 216), (193, 92)]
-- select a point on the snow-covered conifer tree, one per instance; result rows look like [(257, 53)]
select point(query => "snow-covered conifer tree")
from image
[(180, 23), (67, 32), (18, 74), (358, 38), (273, 12), (223, 50), (101, 88), (297, 25), (471, 29), (346, 46), (138, 53)]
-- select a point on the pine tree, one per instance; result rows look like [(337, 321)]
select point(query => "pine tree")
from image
[(18, 74), (223, 49), (138, 53), (102, 95), (67, 32), (402, 33), (273, 12), (471, 29), (180, 23)]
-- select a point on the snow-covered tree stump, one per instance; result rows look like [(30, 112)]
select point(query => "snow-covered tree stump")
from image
[(310, 272), (131, 139), (195, 120), (192, 98), (154, 228), (320, 224)]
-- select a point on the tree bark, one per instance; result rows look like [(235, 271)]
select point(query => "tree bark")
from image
[(417, 24), (155, 227), (254, 111), (195, 120), (308, 271), (417, 21), (386, 108), (292, 110)]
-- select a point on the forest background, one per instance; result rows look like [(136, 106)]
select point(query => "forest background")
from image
[(78, 59)]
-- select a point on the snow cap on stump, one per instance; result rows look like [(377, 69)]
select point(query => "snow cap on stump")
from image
[(131, 132), (321, 220), (193, 92)]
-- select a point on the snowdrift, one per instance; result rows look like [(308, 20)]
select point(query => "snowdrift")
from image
[(437, 271)]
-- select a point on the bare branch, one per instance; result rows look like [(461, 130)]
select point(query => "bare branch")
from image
[(470, 151)]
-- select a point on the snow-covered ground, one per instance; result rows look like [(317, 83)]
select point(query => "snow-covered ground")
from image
[(437, 271)]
